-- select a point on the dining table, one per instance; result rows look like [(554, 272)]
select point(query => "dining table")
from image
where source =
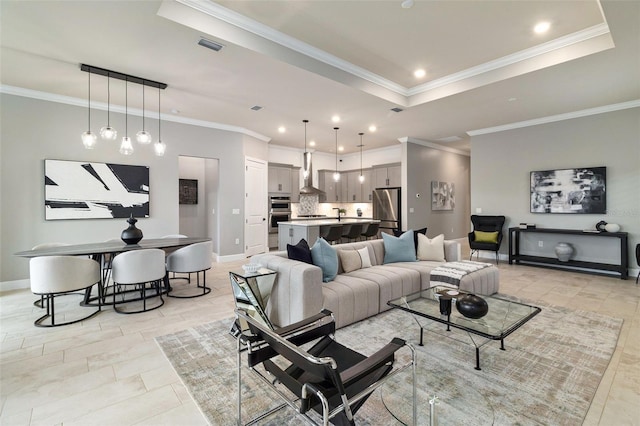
[(104, 252)]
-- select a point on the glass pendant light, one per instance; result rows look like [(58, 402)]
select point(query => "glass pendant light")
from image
[(361, 178), (108, 133), (143, 136), (306, 157), (159, 146), (126, 148), (336, 174), (88, 138)]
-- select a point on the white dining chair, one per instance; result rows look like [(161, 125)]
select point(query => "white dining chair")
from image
[(194, 258), (54, 276), (144, 270), (40, 302)]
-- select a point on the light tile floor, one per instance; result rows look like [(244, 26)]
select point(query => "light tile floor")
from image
[(108, 370)]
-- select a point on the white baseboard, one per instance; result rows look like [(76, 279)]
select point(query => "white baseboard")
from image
[(14, 285), (229, 258)]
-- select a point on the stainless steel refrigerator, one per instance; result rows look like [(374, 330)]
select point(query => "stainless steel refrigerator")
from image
[(386, 208)]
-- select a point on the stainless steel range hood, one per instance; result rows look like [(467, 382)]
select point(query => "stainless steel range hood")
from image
[(308, 188)]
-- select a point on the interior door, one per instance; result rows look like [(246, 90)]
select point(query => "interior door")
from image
[(255, 206)]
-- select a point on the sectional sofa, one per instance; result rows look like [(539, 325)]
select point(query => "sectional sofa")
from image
[(299, 291)]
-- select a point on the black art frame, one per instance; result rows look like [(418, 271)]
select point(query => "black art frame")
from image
[(93, 190), (569, 191), (188, 191)]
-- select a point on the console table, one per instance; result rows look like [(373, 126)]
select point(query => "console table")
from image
[(587, 267)]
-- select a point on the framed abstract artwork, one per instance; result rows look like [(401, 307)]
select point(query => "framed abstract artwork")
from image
[(90, 190), (569, 191), (188, 191), (443, 195)]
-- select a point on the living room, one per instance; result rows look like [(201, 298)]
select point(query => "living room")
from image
[(492, 176)]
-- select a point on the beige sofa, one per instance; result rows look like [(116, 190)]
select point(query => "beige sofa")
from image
[(300, 293)]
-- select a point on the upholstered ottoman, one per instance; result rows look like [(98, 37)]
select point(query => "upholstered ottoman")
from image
[(472, 277)]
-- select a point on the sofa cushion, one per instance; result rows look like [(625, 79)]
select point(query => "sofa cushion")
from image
[(364, 256), (399, 249), (431, 249), (485, 237), (325, 256), (300, 252), (350, 260), (422, 231)]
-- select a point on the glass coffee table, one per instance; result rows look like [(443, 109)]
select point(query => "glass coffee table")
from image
[(434, 310)]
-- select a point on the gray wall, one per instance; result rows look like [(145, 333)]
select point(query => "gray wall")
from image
[(33, 130), (501, 162), (425, 164)]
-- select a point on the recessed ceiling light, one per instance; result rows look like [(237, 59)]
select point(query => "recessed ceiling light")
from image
[(175, 111), (341, 148), (282, 129), (512, 99), (542, 27), (312, 143), (406, 4), (372, 128), (419, 73), (335, 118)]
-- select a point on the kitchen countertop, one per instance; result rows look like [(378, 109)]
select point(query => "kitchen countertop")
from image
[(327, 221)]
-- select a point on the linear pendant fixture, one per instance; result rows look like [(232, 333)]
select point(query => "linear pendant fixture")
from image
[(88, 138), (109, 133), (336, 174)]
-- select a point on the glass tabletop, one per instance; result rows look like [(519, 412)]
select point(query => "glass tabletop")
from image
[(503, 316)]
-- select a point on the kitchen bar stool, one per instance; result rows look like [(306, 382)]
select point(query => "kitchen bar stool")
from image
[(333, 234), (371, 231), (354, 232)]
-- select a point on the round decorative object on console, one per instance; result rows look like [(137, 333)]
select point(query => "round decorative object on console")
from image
[(131, 235), (472, 306), (600, 225), (564, 251), (612, 227)]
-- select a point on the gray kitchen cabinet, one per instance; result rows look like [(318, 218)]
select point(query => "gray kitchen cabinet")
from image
[(387, 175), (279, 179)]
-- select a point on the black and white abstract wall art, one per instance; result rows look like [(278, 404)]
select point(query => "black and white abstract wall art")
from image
[(569, 191), (88, 190), (443, 195)]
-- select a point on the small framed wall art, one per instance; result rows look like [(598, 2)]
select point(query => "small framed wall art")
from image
[(443, 195), (188, 191)]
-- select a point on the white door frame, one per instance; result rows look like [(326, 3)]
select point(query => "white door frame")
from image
[(256, 192)]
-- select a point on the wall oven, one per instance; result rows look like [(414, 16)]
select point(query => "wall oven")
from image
[(279, 211)]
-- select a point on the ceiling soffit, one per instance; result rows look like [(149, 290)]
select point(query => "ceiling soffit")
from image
[(218, 21)]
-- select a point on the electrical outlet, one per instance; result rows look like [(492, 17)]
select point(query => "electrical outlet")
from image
[(235, 211), (540, 244), (237, 240), (411, 210)]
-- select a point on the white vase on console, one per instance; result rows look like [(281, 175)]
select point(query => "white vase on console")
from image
[(563, 251), (612, 227)]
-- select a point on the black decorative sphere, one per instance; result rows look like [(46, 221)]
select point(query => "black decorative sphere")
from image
[(131, 235), (472, 306)]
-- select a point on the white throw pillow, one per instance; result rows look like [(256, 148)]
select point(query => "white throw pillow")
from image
[(364, 256), (431, 249)]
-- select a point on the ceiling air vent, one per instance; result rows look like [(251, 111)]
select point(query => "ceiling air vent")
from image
[(396, 109), (210, 44), (256, 107)]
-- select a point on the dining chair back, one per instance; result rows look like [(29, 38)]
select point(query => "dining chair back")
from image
[(53, 276), (194, 258), (144, 270), (40, 302)]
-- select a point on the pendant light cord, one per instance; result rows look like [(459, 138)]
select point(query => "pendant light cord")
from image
[(159, 139), (143, 106), (126, 107), (89, 100), (108, 101)]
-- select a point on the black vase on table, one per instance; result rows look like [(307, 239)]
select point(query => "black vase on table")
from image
[(131, 235), (472, 306)]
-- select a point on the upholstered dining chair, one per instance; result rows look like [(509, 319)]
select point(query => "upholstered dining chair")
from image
[(40, 302), (371, 231), (145, 271), (55, 276), (194, 258), (638, 260), (486, 234), (353, 233)]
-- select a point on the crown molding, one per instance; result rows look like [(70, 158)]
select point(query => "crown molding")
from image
[(558, 117), (407, 139), (68, 100)]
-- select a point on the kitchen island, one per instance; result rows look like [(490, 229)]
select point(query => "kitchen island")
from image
[(293, 231)]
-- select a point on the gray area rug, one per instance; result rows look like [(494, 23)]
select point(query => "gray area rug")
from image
[(548, 374)]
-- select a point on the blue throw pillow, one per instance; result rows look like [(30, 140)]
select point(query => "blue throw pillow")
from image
[(326, 258), (300, 251), (399, 249)]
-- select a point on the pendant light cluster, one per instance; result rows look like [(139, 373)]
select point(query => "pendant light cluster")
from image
[(109, 133)]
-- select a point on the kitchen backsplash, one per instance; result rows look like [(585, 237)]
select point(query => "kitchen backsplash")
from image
[(305, 207)]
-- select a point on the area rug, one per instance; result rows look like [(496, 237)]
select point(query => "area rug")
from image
[(548, 373)]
